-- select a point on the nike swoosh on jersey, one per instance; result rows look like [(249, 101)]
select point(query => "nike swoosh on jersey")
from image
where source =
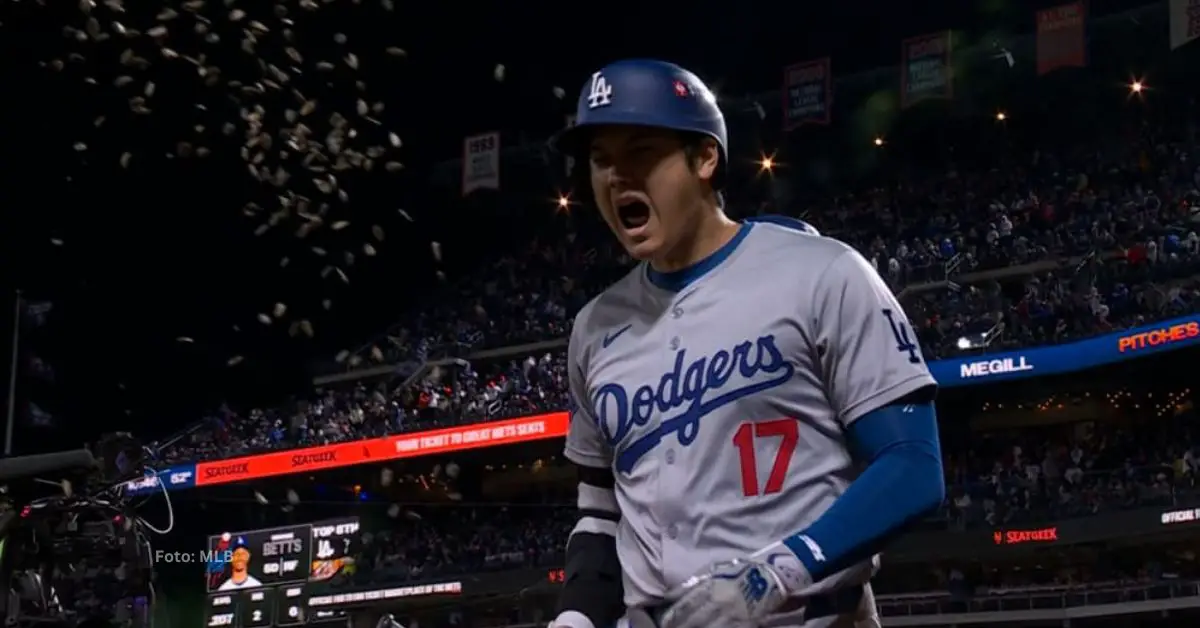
[(609, 338)]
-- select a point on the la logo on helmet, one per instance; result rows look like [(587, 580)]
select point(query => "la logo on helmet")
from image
[(600, 93)]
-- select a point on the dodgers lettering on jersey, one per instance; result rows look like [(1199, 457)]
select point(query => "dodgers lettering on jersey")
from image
[(721, 409), (686, 384)]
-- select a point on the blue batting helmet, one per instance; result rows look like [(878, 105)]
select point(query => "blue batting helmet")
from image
[(649, 93)]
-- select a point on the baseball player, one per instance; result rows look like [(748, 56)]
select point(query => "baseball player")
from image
[(240, 577), (753, 419)]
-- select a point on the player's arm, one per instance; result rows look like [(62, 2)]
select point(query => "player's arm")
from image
[(592, 595), (881, 390)]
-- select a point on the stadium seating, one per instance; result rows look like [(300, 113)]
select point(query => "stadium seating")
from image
[(1043, 267)]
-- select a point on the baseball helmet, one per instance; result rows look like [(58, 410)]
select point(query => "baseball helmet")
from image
[(646, 92)]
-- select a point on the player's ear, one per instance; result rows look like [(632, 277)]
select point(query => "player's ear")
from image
[(705, 157)]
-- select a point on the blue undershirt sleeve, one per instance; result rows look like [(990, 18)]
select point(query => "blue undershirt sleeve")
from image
[(903, 480)]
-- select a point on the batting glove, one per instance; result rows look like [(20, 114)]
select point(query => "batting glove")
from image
[(575, 619), (571, 619), (733, 594)]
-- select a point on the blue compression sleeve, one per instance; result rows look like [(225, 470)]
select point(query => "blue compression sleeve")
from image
[(903, 480)]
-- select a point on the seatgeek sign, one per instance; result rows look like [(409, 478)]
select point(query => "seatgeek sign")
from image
[(1005, 366), (277, 463)]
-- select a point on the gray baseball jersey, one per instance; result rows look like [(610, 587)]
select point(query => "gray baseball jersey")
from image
[(721, 408)]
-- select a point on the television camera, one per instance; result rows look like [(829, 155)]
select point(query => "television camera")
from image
[(72, 549)]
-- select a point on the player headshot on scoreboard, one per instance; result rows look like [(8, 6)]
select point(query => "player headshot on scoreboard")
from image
[(240, 578)]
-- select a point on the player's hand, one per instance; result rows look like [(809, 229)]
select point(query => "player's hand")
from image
[(571, 619), (621, 623), (733, 594)]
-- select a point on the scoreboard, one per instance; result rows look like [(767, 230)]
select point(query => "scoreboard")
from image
[(260, 578)]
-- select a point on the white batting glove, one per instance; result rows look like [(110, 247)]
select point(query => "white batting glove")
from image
[(732, 594), (571, 619), (575, 619)]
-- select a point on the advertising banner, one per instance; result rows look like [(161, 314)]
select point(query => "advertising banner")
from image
[(1111, 348), (524, 429), (925, 69), (807, 93), (385, 594), (1062, 37), (1145, 522)]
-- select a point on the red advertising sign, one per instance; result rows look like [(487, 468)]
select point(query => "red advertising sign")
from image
[(1062, 37), (475, 436), (1021, 537), (925, 69), (1158, 337), (807, 93)]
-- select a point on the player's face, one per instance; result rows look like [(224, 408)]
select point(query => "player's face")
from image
[(241, 558), (646, 191)]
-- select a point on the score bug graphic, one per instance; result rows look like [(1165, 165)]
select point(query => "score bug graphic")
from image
[(336, 544), (261, 578), (259, 558)]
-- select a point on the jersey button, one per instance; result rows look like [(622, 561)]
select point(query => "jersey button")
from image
[(672, 531), (670, 456), (674, 343), (677, 312)]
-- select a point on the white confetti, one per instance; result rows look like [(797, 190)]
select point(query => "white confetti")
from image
[(219, 80)]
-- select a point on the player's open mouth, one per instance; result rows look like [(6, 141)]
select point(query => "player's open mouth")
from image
[(633, 214)]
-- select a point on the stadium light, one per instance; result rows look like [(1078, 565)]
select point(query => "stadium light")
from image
[(977, 341)]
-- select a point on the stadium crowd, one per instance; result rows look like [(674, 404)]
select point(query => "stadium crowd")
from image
[(446, 541), (1063, 471), (1076, 245)]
